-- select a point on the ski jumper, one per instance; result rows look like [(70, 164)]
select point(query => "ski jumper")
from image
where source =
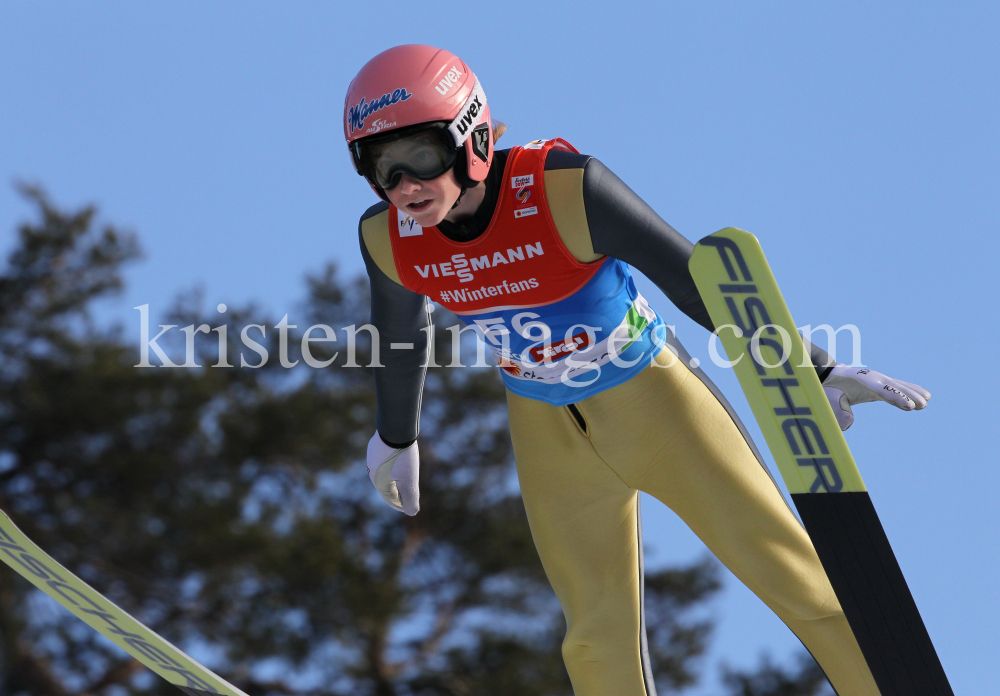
[(562, 330), (599, 410)]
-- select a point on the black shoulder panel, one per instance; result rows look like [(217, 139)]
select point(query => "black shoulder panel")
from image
[(374, 210), (563, 159)]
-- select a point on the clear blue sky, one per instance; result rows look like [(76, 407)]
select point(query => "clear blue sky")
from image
[(857, 140)]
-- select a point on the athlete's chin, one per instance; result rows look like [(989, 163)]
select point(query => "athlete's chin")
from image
[(430, 217)]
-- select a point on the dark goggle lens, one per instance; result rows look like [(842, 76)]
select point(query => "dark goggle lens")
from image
[(420, 159), (425, 155)]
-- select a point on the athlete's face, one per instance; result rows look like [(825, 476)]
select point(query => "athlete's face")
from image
[(428, 202)]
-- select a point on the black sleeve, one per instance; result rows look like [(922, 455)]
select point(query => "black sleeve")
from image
[(400, 316), (624, 227)]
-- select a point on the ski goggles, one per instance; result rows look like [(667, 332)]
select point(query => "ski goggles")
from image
[(425, 152)]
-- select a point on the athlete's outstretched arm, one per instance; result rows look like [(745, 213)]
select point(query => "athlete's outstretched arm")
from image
[(400, 316), (624, 227)]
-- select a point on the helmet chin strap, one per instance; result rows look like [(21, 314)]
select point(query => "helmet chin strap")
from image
[(459, 201)]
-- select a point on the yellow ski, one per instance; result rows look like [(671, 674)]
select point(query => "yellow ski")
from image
[(21, 554), (789, 403)]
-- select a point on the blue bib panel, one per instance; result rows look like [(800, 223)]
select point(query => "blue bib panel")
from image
[(561, 353)]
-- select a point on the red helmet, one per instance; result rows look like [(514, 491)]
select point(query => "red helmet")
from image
[(420, 90)]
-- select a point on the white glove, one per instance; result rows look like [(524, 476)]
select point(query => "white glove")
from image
[(846, 386), (396, 474)]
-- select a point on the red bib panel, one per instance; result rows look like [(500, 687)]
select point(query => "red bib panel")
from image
[(519, 261)]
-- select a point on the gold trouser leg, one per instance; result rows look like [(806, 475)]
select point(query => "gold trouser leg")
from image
[(665, 433)]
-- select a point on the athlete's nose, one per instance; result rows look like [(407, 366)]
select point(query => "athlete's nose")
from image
[(408, 184)]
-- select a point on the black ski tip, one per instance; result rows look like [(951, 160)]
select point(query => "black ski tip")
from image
[(855, 552)]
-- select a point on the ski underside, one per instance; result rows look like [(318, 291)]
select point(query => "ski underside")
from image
[(21, 554), (809, 448)]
